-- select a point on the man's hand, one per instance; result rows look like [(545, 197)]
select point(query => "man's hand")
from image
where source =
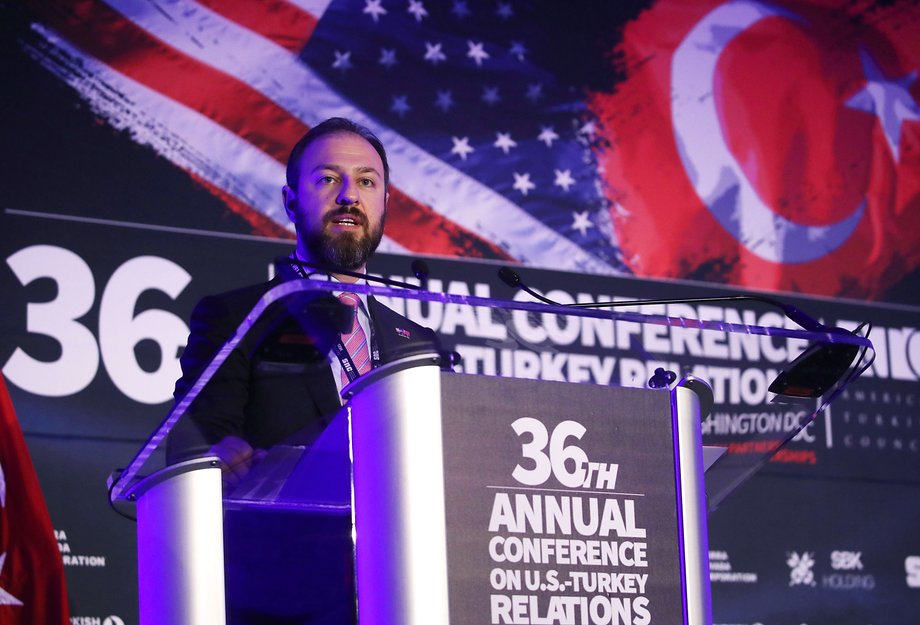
[(236, 459)]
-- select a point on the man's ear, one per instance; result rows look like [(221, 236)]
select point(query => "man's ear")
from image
[(288, 197)]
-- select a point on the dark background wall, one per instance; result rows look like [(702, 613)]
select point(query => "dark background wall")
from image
[(103, 202)]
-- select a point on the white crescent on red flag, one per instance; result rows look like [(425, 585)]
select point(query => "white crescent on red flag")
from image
[(770, 145)]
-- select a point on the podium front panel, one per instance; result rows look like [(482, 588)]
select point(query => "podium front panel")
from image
[(560, 503)]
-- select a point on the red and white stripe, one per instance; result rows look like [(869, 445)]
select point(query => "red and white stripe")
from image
[(218, 89)]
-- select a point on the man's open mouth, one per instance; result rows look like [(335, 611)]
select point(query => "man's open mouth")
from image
[(349, 219)]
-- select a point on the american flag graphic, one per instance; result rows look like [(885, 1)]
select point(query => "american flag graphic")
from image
[(489, 158), (672, 165)]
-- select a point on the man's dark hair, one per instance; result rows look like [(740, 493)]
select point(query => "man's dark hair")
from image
[(331, 126)]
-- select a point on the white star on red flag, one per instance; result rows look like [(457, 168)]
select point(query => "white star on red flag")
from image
[(888, 99)]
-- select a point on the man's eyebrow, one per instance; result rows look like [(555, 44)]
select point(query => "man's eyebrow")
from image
[(368, 170), (361, 170)]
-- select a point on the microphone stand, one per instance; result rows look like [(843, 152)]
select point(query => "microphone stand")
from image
[(809, 375)]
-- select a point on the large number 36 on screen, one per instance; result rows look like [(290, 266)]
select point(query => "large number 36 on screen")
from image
[(120, 330)]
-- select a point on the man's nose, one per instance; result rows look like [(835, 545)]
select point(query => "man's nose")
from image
[(348, 193)]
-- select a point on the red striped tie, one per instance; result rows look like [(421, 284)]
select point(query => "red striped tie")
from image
[(355, 341)]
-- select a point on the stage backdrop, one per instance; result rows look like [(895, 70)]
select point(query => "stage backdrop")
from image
[(671, 148)]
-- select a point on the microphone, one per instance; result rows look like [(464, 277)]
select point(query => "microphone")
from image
[(420, 270), (816, 370), (801, 318), (513, 279), (809, 375)]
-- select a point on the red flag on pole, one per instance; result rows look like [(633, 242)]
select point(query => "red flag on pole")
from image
[(32, 590)]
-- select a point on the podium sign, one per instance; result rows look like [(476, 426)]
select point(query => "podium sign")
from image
[(560, 503)]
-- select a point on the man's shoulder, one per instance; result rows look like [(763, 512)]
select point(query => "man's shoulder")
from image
[(242, 295), (227, 302), (384, 315)]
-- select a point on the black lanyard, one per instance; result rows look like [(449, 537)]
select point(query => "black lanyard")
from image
[(348, 365)]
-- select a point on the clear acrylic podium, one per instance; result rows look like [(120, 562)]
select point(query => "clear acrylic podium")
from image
[(460, 497)]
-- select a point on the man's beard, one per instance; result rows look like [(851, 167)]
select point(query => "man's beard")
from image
[(345, 250)]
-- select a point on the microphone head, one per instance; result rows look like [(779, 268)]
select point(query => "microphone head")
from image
[(815, 371), (420, 269), (510, 277)]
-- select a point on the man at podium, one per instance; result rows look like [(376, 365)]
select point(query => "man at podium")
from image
[(286, 375), (283, 381)]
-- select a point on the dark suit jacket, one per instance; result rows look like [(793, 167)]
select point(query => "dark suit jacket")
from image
[(278, 380)]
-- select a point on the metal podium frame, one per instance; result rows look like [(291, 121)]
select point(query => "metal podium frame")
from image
[(180, 544), (398, 485)]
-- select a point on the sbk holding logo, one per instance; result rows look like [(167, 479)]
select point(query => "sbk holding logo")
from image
[(846, 571), (846, 560), (800, 568)]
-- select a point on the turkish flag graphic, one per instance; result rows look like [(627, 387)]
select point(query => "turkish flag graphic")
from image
[(773, 146), (32, 590)]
